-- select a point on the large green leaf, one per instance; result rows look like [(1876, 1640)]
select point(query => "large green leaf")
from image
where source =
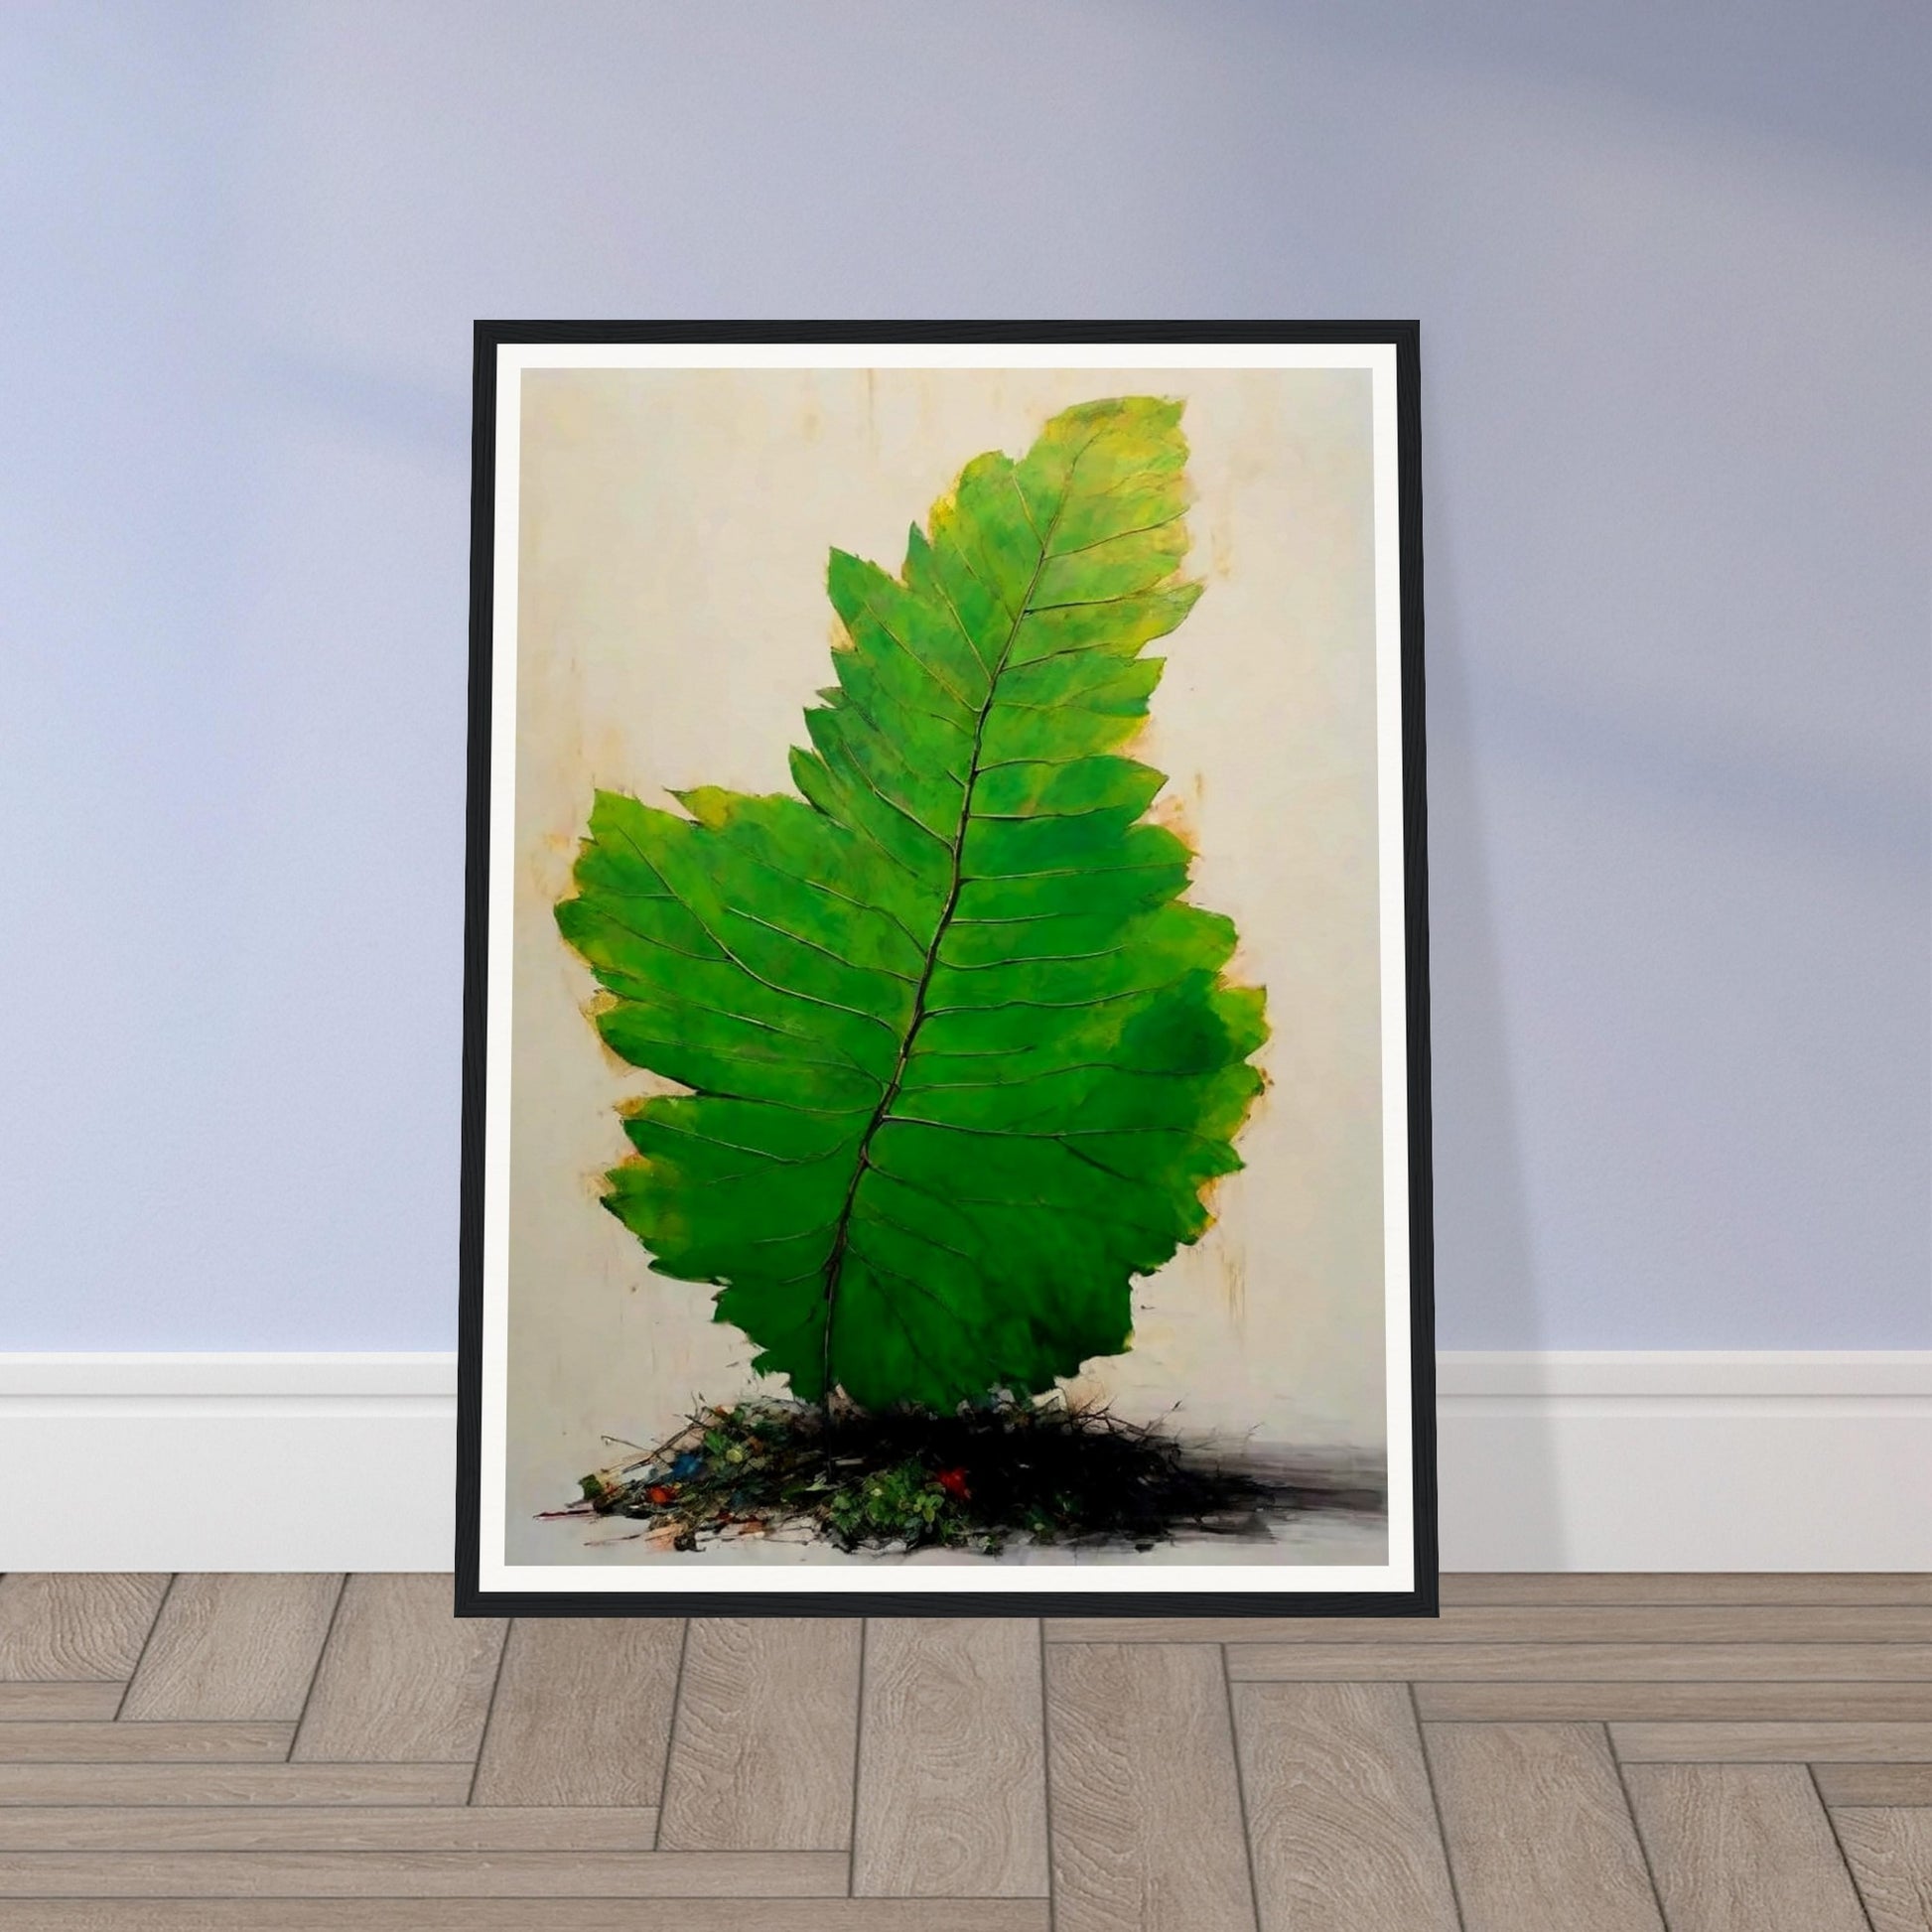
[(961, 1060)]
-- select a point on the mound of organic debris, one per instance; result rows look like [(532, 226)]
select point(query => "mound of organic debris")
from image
[(989, 1475)]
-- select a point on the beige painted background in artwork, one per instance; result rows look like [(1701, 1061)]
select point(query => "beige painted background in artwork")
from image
[(673, 627)]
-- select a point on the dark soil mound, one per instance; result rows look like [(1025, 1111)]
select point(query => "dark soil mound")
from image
[(977, 1481)]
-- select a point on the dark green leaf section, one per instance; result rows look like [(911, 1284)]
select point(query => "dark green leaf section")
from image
[(961, 1058)]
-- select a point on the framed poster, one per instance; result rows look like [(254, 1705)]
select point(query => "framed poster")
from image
[(946, 1105)]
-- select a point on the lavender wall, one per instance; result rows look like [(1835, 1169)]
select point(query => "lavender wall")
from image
[(1673, 268)]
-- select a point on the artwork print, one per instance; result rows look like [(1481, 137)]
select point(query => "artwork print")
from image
[(941, 1078)]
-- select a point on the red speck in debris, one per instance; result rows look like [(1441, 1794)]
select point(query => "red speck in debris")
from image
[(953, 1482), (660, 1492)]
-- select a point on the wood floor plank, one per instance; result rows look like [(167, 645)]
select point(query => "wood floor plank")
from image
[(582, 1713), (1889, 1851), (167, 1784), (1681, 1703), (1539, 1833), (1145, 1793), (234, 1647), (1739, 1848), (526, 1915), (763, 1749), (143, 1744), (1340, 1818), (1532, 1623), (75, 1624), (1772, 1744), (422, 1875), (325, 1828), (952, 1767), (85, 1703), (403, 1679), (1565, 1663), (1875, 1784), (1717, 1691), (1460, 1589)]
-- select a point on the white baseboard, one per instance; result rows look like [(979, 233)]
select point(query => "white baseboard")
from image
[(1603, 1460), (338, 1462), (1548, 1461)]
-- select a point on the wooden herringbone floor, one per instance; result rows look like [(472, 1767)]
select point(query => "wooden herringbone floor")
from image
[(1557, 1754)]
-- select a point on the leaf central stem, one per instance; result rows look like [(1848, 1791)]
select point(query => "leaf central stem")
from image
[(835, 1260)]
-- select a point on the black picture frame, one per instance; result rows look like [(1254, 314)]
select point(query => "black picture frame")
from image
[(472, 1600)]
